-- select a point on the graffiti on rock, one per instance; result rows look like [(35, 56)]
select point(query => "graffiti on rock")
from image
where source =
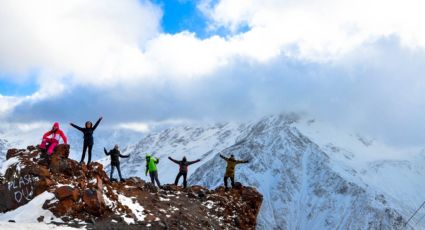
[(22, 188)]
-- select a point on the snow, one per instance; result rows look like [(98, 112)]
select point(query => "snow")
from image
[(134, 206), (33, 226), (163, 199), (31, 211), (313, 174), (7, 164)]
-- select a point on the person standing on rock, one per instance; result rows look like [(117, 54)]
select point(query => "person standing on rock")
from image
[(88, 138), (230, 169), (115, 161), (151, 163), (51, 139), (183, 169)]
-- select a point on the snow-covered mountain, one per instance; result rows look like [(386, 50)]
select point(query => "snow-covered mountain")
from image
[(103, 138), (313, 175), (311, 178)]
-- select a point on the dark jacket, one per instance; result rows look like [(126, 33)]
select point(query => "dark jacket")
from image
[(115, 156), (183, 164), (88, 132)]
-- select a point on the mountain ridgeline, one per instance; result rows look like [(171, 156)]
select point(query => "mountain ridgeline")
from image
[(301, 188)]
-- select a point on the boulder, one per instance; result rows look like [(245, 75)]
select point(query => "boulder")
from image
[(11, 153), (85, 194), (94, 202), (42, 184), (67, 192), (40, 171)]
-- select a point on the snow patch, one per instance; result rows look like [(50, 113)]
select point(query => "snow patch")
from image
[(134, 206), (31, 211), (7, 164)]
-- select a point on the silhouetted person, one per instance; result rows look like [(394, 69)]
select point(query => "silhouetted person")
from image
[(183, 169), (88, 138), (230, 169), (115, 161)]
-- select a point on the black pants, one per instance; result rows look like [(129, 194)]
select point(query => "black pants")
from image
[(184, 174), (115, 165), (232, 179), (154, 177), (86, 146)]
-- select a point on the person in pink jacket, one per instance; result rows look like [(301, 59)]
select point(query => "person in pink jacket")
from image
[(52, 138)]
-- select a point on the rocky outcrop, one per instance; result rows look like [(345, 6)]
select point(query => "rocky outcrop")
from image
[(84, 195)]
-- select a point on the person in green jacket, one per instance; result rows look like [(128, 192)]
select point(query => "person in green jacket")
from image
[(151, 163), (230, 169)]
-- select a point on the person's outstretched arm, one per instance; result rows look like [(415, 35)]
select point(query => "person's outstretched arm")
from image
[(193, 162), (224, 158), (77, 127), (124, 156), (242, 162), (175, 161), (106, 152), (97, 123)]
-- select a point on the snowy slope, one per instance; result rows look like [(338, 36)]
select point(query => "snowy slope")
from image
[(202, 142), (309, 179), (394, 172), (301, 189), (313, 175)]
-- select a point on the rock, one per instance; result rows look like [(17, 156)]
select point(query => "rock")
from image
[(84, 169), (40, 171), (62, 150), (58, 158), (93, 200), (42, 185), (238, 185), (11, 153), (150, 187), (85, 194), (65, 192), (40, 219), (65, 207), (17, 190), (31, 148)]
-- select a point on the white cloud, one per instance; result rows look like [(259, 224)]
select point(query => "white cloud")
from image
[(134, 126), (319, 30), (85, 42), (304, 55)]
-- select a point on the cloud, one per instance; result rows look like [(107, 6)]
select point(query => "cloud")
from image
[(81, 42), (316, 30), (357, 63)]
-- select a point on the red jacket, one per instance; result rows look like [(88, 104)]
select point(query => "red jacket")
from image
[(56, 134)]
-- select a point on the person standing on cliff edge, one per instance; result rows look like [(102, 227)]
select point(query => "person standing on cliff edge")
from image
[(230, 169), (88, 138), (151, 163)]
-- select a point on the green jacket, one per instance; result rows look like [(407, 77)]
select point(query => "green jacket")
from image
[(151, 164)]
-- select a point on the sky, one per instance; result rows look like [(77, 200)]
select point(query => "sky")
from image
[(359, 64)]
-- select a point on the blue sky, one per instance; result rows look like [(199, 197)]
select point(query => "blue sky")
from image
[(353, 63), (180, 15)]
